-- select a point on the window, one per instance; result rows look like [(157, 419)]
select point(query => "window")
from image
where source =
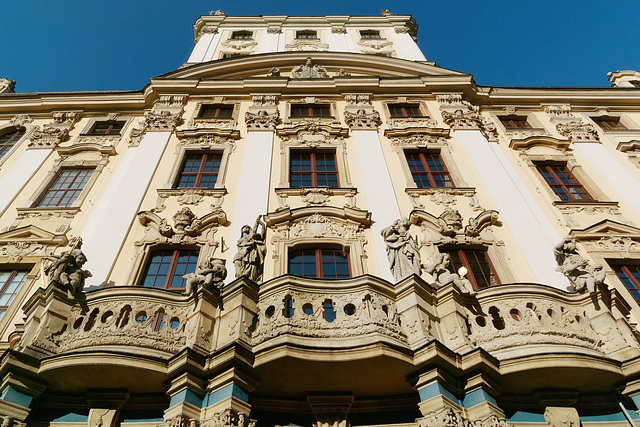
[(10, 282), (609, 123), (310, 110), (216, 111), (370, 34), (629, 274), (200, 170), (405, 110), (66, 188), (306, 34), (242, 35), (480, 271), (166, 268), (107, 128), (8, 140), (428, 169), (515, 122), (313, 169), (320, 263), (635, 83), (563, 183)]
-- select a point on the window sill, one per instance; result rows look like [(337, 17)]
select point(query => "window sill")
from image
[(64, 212), (198, 123), (587, 206), (316, 195), (170, 192), (525, 133), (454, 191)]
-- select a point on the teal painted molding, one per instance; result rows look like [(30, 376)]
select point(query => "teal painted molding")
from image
[(476, 397), (188, 396), (230, 390), (531, 417), (14, 396), (72, 417), (435, 389), (616, 416), (636, 399)]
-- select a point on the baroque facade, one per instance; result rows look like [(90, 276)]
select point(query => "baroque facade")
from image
[(309, 223)]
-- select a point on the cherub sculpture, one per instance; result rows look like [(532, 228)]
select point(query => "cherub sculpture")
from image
[(577, 269), (208, 274), (66, 270), (441, 274)]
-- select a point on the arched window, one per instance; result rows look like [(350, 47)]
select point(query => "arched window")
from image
[(321, 263), (9, 139)]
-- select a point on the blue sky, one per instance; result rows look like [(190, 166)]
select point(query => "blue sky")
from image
[(60, 45)]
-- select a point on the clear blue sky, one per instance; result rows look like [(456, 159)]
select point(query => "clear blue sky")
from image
[(102, 45)]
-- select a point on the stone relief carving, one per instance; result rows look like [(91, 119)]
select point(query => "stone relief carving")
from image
[(208, 275), (274, 72), (309, 70), (188, 229), (306, 44), (48, 137), (338, 30), (316, 196), (8, 421), (561, 417), (358, 99), (370, 312), (402, 249), (557, 110), (577, 131), (402, 30), (311, 134), (362, 120), (261, 120), (422, 122), (418, 139), (450, 222), (449, 417), (238, 47), (274, 30), (376, 46), (161, 121), (442, 196), (228, 418), (190, 196), (66, 270), (439, 269), (458, 113), (264, 100), (582, 275), (249, 260), (619, 244)]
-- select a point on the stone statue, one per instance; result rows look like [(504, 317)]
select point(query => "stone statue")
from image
[(443, 276), (274, 72), (209, 274), (249, 260), (580, 273), (66, 270), (402, 249)]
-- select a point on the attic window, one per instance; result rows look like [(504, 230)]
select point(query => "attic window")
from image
[(242, 35), (306, 34), (370, 34)]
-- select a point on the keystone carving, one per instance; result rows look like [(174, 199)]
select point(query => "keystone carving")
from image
[(402, 249), (309, 71), (261, 120), (577, 131), (66, 270), (362, 120), (582, 275)]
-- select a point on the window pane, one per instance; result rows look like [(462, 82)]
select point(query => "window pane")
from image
[(10, 283), (66, 188), (8, 140), (200, 170)]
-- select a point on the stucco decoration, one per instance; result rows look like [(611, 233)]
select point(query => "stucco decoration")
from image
[(309, 70), (209, 275), (358, 99), (274, 72), (577, 131), (312, 135), (306, 44), (450, 222), (24, 242), (274, 30), (338, 30), (442, 275), (449, 417), (582, 275), (238, 47), (48, 137), (561, 416), (262, 120), (21, 120), (362, 120), (261, 101), (249, 260), (562, 110), (376, 46), (227, 418), (402, 249), (66, 270), (161, 121), (458, 113)]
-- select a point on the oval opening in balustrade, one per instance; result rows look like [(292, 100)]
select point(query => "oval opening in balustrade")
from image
[(106, 316), (307, 309), (386, 310), (141, 317), (349, 309), (158, 320), (92, 320), (269, 312), (481, 321), (287, 311), (515, 314), (498, 321), (78, 322), (123, 318), (174, 323), (329, 313)]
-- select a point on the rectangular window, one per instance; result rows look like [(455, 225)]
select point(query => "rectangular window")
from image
[(313, 169), (216, 111), (480, 271), (428, 170), (405, 110), (629, 275), (608, 123), (320, 263), (310, 110), (242, 35), (166, 268), (10, 282), (107, 128), (370, 34), (66, 188), (199, 170), (306, 34), (8, 140), (515, 122), (563, 183)]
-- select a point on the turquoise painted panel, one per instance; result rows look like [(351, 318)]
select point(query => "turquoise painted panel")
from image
[(522, 416), (616, 416), (435, 389), (476, 397), (14, 396), (225, 393), (72, 417), (188, 396)]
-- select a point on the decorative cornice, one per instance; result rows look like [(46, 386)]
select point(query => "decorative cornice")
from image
[(362, 120)]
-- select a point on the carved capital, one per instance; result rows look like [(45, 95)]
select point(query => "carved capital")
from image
[(48, 137), (161, 121), (261, 120), (21, 120), (339, 30), (557, 110), (460, 119), (362, 120), (274, 30), (577, 131)]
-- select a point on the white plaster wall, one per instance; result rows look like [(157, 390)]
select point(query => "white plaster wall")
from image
[(19, 174), (519, 211), (616, 174), (270, 42), (378, 192), (253, 189), (211, 49), (197, 55), (407, 48), (339, 42), (117, 208)]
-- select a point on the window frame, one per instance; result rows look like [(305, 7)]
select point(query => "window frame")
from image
[(624, 264), (172, 266), (626, 124), (3, 286), (218, 108), (16, 141), (200, 173), (368, 37), (38, 203), (403, 106), (563, 186), (305, 33), (319, 252), (514, 119), (201, 122), (461, 250), (241, 33), (313, 172), (310, 108), (111, 123), (429, 173)]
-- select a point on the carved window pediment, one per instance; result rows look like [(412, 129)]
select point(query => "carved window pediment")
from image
[(610, 236), (450, 224), (29, 241)]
